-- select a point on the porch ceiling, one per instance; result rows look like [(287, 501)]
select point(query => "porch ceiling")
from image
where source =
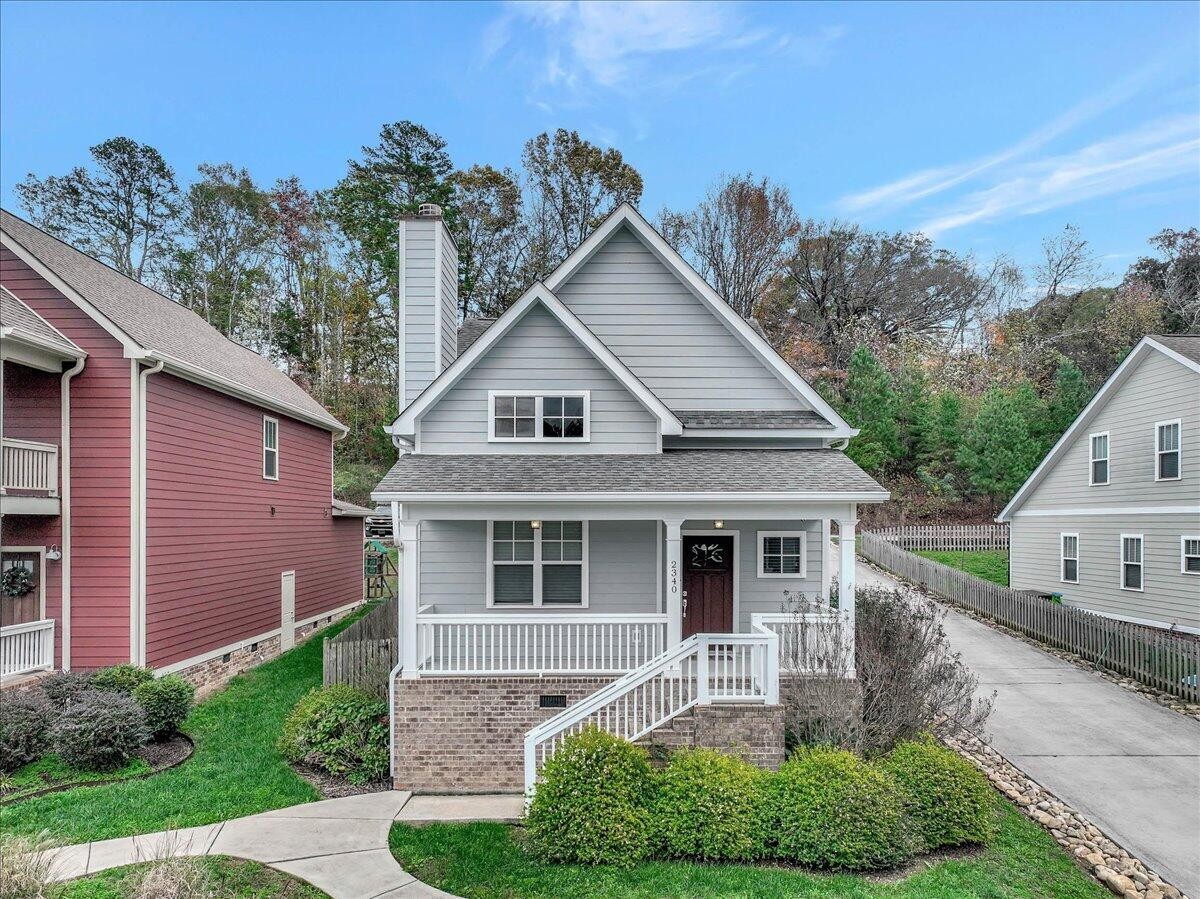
[(824, 473)]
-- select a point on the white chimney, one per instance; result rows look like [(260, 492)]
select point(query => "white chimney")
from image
[(428, 322)]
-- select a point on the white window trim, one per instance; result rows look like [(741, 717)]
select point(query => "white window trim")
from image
[(41, 576), (1107, 459), (1141, 538), (803, 535), (1183, 556), (1063, 557), (266, 449), (1158, 451), (539, 395), (537, 564)]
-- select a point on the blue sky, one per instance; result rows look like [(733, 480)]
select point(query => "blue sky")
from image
[(988, 126)]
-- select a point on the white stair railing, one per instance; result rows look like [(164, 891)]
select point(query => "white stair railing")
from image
[(703, 669), (26, 647)]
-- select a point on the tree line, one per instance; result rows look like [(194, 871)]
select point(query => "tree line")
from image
[(309, 279)]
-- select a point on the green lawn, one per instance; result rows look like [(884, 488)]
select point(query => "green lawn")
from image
[(228, 878), (989, 564), (234, 771), (485, 861), (50, 770)]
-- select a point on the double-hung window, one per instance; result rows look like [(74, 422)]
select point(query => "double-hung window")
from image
[(522, 416), (1131, 562), (1167, 451), (1098, 470), (1189, 555), (270, 448), (782, 554), (540, 563), (1069, 557)]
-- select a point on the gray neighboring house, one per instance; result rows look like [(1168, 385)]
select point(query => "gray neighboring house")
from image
[(1111, 517), (601, 500)]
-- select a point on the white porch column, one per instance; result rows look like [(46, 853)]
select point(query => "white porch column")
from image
[(674, 577), (408, 539), (846, 579), (826, 560)]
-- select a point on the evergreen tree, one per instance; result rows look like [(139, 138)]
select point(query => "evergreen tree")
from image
[(918, 441), (871, 407), (1032, 408), (947, 426), (1067, 400), (998, 453)]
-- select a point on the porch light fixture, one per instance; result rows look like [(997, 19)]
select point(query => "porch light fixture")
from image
[(535, 524), (53, 554), (718, 523)]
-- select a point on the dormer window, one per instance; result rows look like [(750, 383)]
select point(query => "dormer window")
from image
[(525, 417)]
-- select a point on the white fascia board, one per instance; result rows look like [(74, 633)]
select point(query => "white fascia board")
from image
[(872, 496), (205, 378), (35, 351), (625, 214), (406, 423), (1115, 380)]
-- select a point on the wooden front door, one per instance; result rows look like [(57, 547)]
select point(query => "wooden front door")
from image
[(707, 585), (28, 605)]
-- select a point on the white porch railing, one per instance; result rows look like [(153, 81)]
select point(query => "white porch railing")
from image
[(27, 465), (703, 669), (26, 647), (512, 643), (815, 642)]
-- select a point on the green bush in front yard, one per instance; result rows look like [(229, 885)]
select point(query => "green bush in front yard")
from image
[(830, 809), (63, 687), (592, 805), (100, 730), (166, 702), (709, 807), (121, 678), (339, 729), (948, 800), (24, 728)]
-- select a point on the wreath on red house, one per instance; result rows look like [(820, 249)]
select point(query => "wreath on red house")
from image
[(16, 582)]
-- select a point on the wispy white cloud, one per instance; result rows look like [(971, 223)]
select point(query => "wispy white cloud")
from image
[(1163, 149)]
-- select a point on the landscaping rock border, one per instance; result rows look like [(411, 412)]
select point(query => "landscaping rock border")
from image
[(1092, 849)]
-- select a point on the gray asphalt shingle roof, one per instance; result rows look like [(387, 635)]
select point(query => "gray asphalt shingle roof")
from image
[(15, 314), (341, 508), (471, 330), (1187, 345), (672, 471), (751, 419), (159, 324)]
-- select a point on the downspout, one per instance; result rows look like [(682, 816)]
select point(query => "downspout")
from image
[(64, 455), (141, 524)]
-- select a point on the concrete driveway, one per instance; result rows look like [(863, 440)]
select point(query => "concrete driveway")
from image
[(1127, 763)]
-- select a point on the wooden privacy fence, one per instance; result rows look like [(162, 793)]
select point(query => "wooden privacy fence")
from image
[(947, 536), (364, 654), (1159, 659)]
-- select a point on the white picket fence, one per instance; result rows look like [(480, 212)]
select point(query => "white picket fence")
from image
[(952, 537)]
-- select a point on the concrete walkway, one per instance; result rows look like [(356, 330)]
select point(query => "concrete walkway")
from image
[(338, 845), (1127, 763)]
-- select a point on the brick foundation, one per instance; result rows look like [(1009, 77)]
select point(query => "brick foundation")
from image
[(754, 732)]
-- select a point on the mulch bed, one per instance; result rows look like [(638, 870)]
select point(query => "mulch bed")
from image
[(331, 787), (159, 756)]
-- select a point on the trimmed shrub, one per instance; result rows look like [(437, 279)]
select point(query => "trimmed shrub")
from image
[(64, 687), (166, 702), (830, 809), (593, 803), (24, 728), (709, 807), (948, 800), (121, 678), (100, 731), (339, 729)]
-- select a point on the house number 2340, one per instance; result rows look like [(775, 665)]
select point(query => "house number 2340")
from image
[(674, 577)]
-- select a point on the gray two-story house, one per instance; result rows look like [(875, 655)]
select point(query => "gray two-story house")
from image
[(1111, 518), (602, 498)]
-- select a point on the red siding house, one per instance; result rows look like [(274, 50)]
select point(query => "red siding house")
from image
[(166, 495)]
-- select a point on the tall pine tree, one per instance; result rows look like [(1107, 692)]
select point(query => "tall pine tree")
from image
[(1067, 400), (914, 419), (998, 453), (871, 407)]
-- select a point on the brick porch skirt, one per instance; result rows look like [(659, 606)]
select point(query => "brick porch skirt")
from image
[(466, 734)]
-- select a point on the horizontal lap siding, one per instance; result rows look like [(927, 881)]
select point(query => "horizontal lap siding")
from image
[(1170, 597), (538, 354), (100, 473), (667, 337), (214, 551)]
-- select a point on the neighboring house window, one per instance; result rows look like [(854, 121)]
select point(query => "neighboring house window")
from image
[(1099, 459), (782, 554), (1069, 553), (1167, 451), (270, 449), (537, 566), (530, 416), (1131, 562), (1189, 552)]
